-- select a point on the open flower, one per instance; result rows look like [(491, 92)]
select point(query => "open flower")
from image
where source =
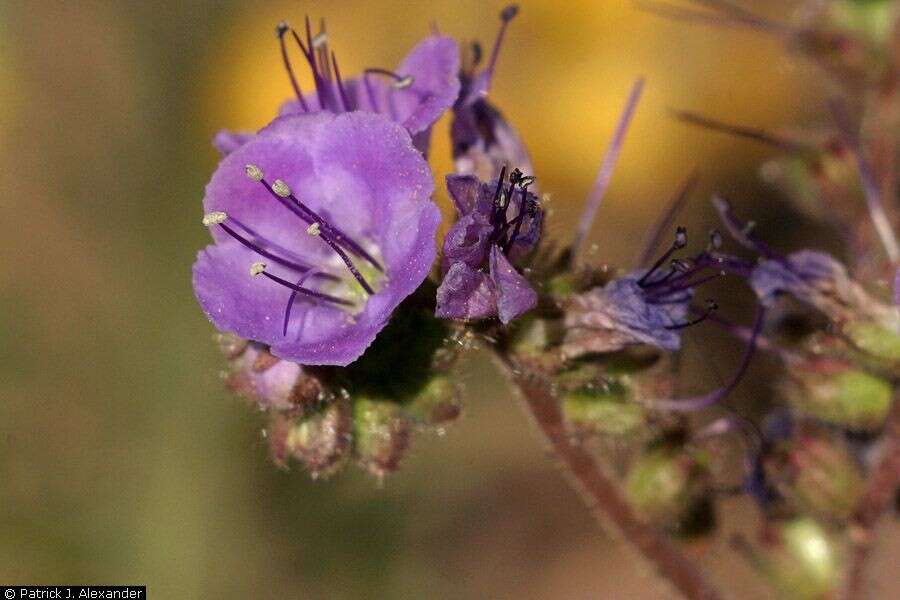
[(498, 223), (422, 88), (332, 216)]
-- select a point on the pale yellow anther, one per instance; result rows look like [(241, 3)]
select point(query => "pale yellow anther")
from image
[(320, 40), (313, 229), (404, 83), (257, 268), (254, 172), (281, 188), (214, 218)]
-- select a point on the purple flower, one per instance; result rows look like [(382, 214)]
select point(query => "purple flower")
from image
[(422, 88), (814, 278), (621, 314), (498, 223), (648, 306), (483, 141), (332, 215)]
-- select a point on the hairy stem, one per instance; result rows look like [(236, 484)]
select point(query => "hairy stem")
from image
[(883, 483), (600, 492)]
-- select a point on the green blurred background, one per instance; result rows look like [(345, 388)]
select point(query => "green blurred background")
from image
[(123, 460)]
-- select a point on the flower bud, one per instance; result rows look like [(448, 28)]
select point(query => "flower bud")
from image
[(880, 341), (381, 435), (668, 487), (437, 404), (321, 440), (816, 474), (272, 382), (834, 391), (602, 409), (807, 565)]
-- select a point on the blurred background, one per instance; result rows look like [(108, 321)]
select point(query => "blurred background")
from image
[(123, 460)]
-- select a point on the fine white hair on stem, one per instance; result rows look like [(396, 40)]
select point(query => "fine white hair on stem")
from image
[(606, 170)]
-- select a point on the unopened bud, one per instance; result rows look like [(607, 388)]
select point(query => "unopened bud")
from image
[(668, 487), (879, 341), (602, 408), (437, 404), (381, 435), (271, 382), (807, 565), (816, 474), (322, 440), (838, 393)]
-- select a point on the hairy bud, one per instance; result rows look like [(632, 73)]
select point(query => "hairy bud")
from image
[(836, 392), (603, 409), (321, 441), (381, 435)]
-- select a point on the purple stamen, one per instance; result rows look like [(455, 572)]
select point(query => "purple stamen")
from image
[(665, 221), (506, 15), (306, 291), (711, 307), (290, 304), (340, 84), (310, 217), (679, 243), (263, 252), (281, 30), (700, 402)]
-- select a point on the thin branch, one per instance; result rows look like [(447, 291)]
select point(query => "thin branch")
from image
[(883, 483), (753, 133), (601, 493)]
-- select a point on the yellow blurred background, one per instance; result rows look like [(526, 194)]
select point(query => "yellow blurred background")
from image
[(123, 460)]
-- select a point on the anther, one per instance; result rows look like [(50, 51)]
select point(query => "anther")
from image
[(281, 29), (320, 40), (680, 238), (281, 188), (257, 268), (508, 13), (214, 218), (711, 307), (313, 229), (715, 239), (403, 82), (254, 172)]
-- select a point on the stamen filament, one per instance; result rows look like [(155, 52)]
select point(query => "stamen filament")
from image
[(340, 84), (507, 15), (281, 30), (700, 402), (678, 244), (303, 290), (710, 308), (310, 217)]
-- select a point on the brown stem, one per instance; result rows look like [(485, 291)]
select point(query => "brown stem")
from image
[(601, 493), (883, 483)]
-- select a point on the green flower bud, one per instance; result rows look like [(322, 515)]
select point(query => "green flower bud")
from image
[(533, 335), (807, 566), (381, 435), (835, 392), (437, 403), (668, 486), (816, 474), (603, 409), (321, 441), (881, 342)]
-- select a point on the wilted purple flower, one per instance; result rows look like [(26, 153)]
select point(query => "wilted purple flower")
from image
[(812, 277), (425, 84), (498, 222), (483, 141), (645, 306), (338, 207)]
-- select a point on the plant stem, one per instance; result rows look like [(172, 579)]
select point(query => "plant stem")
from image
[(600, 492)]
